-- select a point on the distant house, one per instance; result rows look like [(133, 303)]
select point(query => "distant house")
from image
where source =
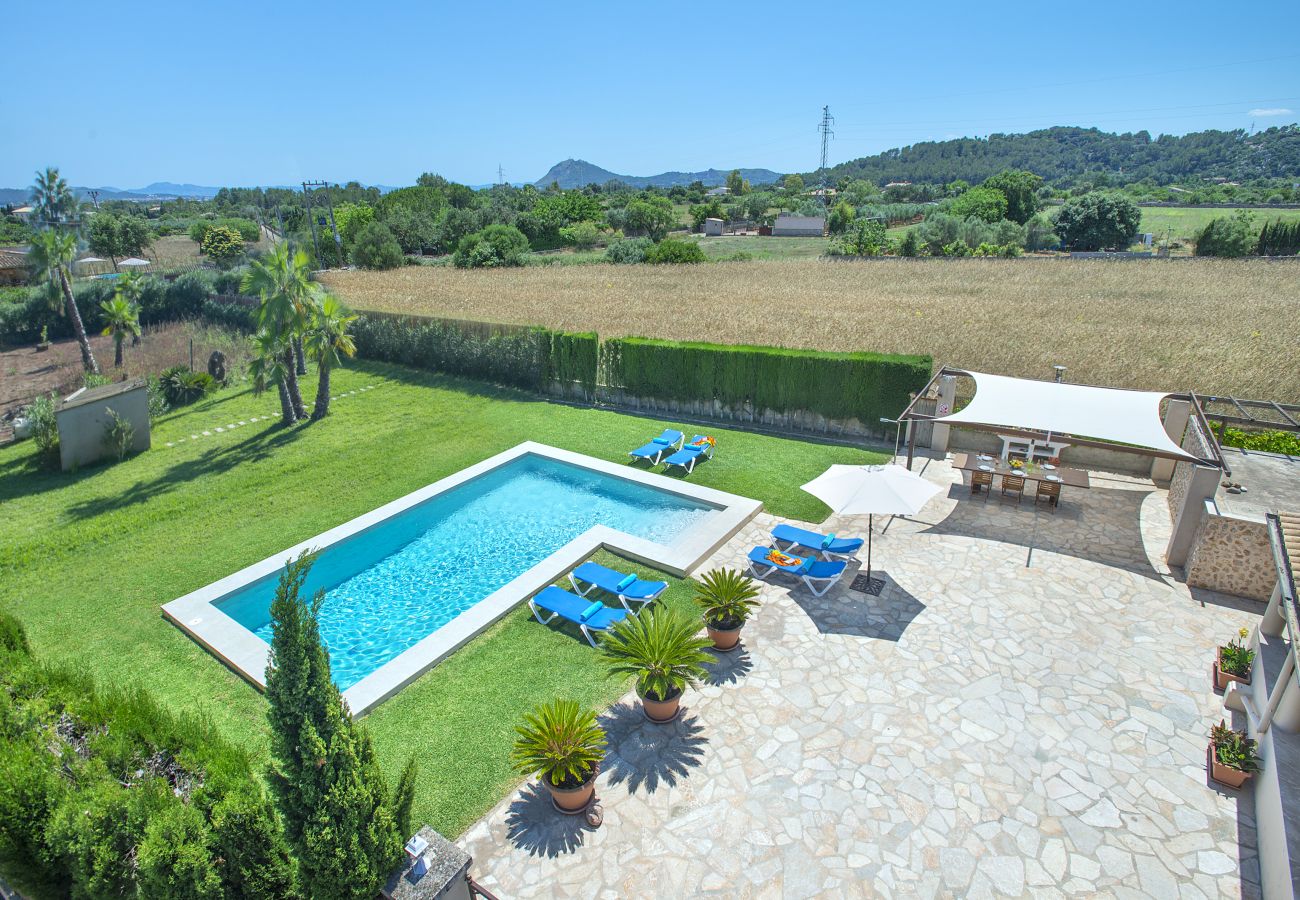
[(823, 192), (23, 213), (899, 184), (13, 266), (799, 226), (717, 192)]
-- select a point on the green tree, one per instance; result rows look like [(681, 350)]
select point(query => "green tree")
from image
[(983, 203), (114, 235), (653, 217), (50, 261), (736, 185), (351, 218), (1227, 236), (1100, 220), (222, 245), (957, 187), (327, 340), (793, 184), (376, 248), (267, 367), (282, 279), (1021, 190), (326, 780), (910, 245), (121, 320), (867, 237), (841, 217), (701, 211)]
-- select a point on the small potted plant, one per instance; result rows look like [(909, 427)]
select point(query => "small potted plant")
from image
[(562, 744), (728, 598), (662, 650), (44, 343), (1232, 756), (1233, 662)]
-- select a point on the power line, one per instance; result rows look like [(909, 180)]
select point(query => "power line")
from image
[(825, 128)]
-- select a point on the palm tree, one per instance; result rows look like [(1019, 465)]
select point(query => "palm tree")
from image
[(129, 287), (327, 339), (288, 295), (52, 198), (120, 320), (50, 260), (268, 367)]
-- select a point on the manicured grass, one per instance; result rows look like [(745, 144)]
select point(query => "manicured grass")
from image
[(762, 247), (87, 558), (1183, 224)]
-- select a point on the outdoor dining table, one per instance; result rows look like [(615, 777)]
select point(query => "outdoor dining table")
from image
[(972, 462)]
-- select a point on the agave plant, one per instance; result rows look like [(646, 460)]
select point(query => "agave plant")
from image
[(661, 649), (560, 742), (728, 598), (1233, 749)]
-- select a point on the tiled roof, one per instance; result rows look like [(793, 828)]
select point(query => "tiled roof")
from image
[(10, 259)]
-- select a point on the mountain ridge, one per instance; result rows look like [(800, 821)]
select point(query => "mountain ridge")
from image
[(576, 173)]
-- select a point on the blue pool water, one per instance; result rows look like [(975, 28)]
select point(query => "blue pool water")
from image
[(393, 585)]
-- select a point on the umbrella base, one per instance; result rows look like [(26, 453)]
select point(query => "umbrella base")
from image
[(865, 584)]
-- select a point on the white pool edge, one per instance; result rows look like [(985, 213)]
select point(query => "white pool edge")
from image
[(198, 616)]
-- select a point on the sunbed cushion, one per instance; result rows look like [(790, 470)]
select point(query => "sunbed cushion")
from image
[(627, 582), (828, 540), (660, 440), (591, 610)]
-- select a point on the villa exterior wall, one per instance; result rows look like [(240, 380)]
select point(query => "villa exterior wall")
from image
[(1232, 556), (1195, 442)]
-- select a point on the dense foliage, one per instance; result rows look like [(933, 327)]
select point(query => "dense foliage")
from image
[(1285, 442), (670, 250), (1103, 220), (862, 386), (1227, 236), (983, 203), (374, 247), (1279, 239), (105, 793), (493, 247)]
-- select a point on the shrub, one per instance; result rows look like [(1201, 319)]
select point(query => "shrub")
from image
[(247, 229), (1099, 220), (119, 435), (670, 250), (866, 237), (582, 235), (376, 248), (494, 246), (1279, 239), (45, 430), (660, 649), (627, 250), (1227, 236), (910, 245), (181, 385), (727, 597), (222, 245), (560, 742), (1284, 442), (984, 203)]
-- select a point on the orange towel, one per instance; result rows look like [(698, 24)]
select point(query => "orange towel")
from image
[(782, 559), (704, 442)]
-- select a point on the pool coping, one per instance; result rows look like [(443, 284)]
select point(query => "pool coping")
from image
[(197, 614)]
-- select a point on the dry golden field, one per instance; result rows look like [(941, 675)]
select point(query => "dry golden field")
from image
[(1215, 326)]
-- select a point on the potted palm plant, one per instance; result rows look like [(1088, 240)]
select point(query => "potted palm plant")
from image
[(662, 650), (1233, 662), (1232, 756), (728, 598), (562, 744)]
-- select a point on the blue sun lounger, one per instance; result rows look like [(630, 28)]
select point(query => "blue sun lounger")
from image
[(625, 587), (689, 455), (671, 439), (588, 615), (827, 544), (809, 569)]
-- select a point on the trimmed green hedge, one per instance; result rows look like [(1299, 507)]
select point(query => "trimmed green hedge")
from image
[(499, 353), (572, 358), (862, 386)]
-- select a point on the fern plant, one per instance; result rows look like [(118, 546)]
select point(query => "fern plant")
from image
[(728, 598), (1233, 749), (661, 649), (560, 742)]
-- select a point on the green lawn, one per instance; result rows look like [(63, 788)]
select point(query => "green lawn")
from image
[(762, 247), (87, 558), (1183, 224)]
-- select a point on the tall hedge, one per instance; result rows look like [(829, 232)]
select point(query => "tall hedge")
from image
[(862, 386), (572, 358)]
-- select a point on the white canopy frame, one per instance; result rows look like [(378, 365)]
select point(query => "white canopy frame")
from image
[(1110, 418)]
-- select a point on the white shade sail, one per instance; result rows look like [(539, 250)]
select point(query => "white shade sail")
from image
[(1080, 410), (91, 259), (866, 490), (134, 261)]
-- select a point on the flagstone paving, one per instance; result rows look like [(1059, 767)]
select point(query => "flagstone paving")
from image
[(1023, 712)]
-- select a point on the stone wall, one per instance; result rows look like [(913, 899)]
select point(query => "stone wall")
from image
[(1196, 443), (1232, 556)]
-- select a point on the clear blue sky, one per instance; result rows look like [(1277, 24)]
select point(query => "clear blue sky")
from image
[(277, 91)]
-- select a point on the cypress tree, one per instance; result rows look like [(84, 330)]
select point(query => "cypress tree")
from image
[(327, 783)]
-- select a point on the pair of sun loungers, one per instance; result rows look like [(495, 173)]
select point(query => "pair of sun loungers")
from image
[(820, 575), (592, 616), (672, 442)]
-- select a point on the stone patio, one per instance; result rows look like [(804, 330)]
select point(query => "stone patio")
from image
[(1022, 712)]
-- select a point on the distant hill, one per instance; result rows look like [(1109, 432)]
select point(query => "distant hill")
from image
[(1061, 154), (576, 173)]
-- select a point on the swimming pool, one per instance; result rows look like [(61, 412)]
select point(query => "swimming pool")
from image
[(397, 582), (408, 583)]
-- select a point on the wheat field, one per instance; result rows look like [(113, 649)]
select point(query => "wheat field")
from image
[(1214, 326)]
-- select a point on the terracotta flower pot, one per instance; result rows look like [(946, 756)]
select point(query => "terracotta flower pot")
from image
[(724, 639), (1221, 678), (661, 712), (1226, 775), (572, 801)]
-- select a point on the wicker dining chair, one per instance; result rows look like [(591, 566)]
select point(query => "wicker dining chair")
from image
[(1050, 491), (981, 480), (1013, 484)]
